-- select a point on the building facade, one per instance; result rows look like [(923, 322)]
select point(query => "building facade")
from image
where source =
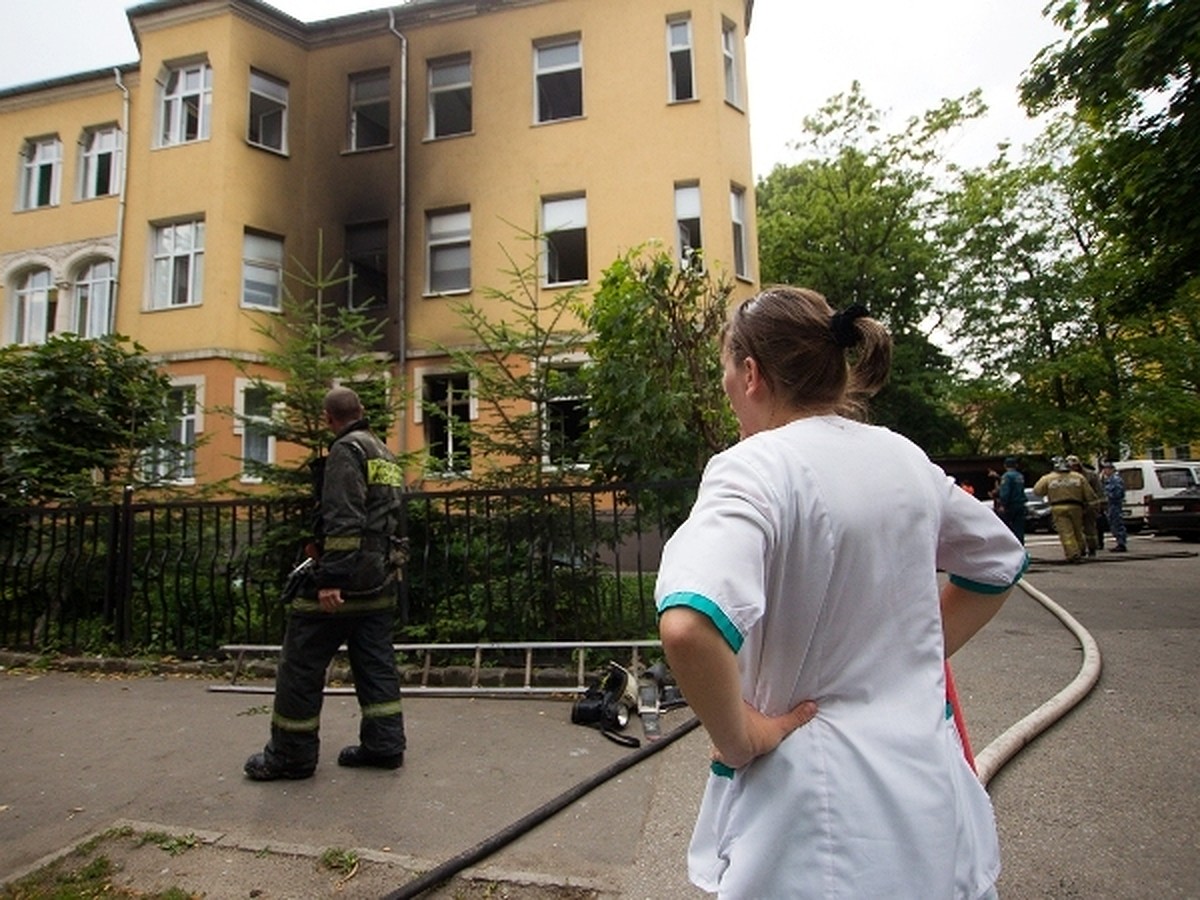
[(168, 200)]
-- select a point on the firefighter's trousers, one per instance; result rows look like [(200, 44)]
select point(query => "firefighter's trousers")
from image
[(309, 645)]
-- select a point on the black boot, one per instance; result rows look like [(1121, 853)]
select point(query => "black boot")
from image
[(258, 768), (356, 757)]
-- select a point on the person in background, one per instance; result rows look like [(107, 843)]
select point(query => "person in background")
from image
[(1010, 498), (1069, 494), (1114, 498), (1092, 533), (350, 597), (800, 614)]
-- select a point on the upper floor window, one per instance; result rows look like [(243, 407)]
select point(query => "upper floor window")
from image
[(741, 250), (687, 223), (679, 59), (564, 417), (92, 307), (35, 308), (558, 71), (178, 270), (41, 171), (449, 97), (564, 231), (367, 263), (449, 251), (100, 162), (268, 112), (186, 110), (446, 412), (729, 44), (370, 110), (262, 270)]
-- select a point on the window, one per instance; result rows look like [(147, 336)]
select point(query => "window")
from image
[(100, 162), (253, 423), (446, 413), (564, 230), (370, 110), (679, 60), (175, 460), (262, 270), (449, 253), (737, 213), (733, 88), (565, 418), (558, 71), (367, 263), (449, 97), (687, 223), (268, 112), (36, 307), (41, 170), (178, 270), (92, 309), (186, 111)]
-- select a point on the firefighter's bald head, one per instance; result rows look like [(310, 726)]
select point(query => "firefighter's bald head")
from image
[(342, 407)]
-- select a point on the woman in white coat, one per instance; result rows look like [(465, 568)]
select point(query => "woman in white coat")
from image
[(800, 611)]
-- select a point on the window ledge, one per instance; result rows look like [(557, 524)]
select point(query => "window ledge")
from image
[(158, 309), (439, 138), (360, 151), (564, 284), (435, 295), (580, 118), (266, 148), (686, 101)]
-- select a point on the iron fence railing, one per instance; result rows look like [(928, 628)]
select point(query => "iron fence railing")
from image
[(563, 563)]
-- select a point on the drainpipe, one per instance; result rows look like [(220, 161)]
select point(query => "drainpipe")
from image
[(402, 219), (121, 196)]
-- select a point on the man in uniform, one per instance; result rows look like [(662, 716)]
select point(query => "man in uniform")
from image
[(349, 597), (1092, 532), (1114, 495), (1069, 494), (1010, 496)]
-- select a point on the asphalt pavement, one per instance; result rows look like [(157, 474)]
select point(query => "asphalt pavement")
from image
[(1103, 805)]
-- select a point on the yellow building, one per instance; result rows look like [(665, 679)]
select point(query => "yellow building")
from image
[(162, 200)]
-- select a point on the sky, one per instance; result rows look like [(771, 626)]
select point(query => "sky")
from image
[(907, 55)]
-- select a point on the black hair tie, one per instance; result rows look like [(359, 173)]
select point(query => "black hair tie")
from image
[(845, 335)]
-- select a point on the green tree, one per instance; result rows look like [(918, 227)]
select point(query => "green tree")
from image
[(77, 418), (856, 222), (654, 381), (1130, 70)]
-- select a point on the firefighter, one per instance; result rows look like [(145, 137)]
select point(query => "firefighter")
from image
[(1069, 494), (348, 597)]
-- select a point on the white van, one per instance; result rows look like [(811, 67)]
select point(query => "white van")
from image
[(1151, 478)]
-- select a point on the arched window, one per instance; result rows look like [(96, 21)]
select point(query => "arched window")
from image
[(35, 308), (92, 309)]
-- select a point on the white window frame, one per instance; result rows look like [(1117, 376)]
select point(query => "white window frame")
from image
[(561, 217), (732, 70), (93, 295), (574, 361), (192, 91), (41, 169), (35, 306), (546, 67), (447, 235), (680, 49), (268, 99), (244, 424), (688, 210), (361, 99), (166, 258), (262, 267), (741, 238), (447, 86), (185, 433), (420, 375), (96, 145)]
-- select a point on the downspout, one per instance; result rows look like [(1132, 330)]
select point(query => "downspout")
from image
[(121, 197), (402, 217)]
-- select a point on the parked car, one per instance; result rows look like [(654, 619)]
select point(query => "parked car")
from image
[(1146, 478), (1178, 514), (1037, 512)]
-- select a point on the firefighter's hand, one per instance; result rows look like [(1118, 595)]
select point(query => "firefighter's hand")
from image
[(330, 599)]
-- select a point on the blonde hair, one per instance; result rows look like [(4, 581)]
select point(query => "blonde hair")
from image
[(811, 356)]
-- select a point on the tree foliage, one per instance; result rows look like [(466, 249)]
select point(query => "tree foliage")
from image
[(76, 417), (654, 381)]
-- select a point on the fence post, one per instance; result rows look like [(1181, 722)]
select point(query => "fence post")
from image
[(123, 582)]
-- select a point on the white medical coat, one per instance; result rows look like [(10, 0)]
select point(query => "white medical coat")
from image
[(814, 548)]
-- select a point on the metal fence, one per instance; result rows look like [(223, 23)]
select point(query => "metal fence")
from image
[(567, 563)]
